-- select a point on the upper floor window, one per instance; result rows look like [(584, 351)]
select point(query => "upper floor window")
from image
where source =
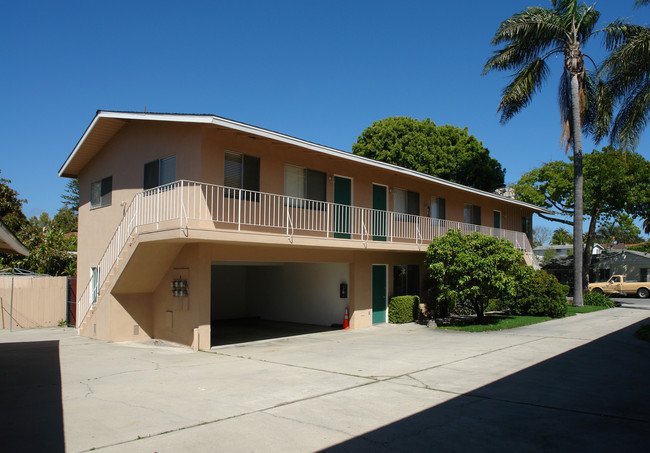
[(438, 208), (406, 202), (159, 172), (527, 227), (241, 171), (305, 183), (101, 193), (472, 214)]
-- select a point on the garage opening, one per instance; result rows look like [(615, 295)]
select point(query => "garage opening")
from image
[(256, 301)]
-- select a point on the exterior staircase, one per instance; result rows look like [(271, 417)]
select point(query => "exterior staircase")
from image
[(109, 282)]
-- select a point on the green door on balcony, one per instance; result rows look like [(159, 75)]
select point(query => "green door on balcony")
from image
[(378, 293), (379, 213), (342, 211)]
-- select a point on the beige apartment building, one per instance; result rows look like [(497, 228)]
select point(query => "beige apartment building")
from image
[(185, 220)]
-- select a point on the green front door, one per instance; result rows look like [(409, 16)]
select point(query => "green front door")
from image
[(342, 200), (497, 219), (379, 215), (378, 293)]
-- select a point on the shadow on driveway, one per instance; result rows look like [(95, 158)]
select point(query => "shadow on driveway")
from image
[(235, 331), (592, 398), (32, 411)]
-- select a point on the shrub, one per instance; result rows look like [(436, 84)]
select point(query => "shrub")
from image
[(402, 309), (598, 300), (540, 294), (470, 271)]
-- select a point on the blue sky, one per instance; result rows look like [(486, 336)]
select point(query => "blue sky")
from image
[(320, 71)]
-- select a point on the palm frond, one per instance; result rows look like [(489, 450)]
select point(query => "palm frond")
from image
[(589, 106), (534, 27), (619, 32), (603, 111), (632, 118), (587, 20), (520, 90), (636, 5)]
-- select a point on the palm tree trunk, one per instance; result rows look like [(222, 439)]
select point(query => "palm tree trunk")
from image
[(577, 184)]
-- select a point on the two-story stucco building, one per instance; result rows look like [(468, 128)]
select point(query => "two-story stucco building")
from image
[(189, 219)]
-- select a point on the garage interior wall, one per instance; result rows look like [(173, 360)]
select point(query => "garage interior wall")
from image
[(294, 292)]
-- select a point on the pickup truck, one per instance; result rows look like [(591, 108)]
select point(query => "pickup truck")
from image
[(617, 285)]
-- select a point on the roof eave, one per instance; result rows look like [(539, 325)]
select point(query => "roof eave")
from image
[(272, 135)]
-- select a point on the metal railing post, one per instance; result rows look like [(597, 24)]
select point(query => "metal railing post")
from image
[(181, 206), (239, 212)]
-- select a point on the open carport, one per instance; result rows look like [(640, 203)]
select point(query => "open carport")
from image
[(255, 301)]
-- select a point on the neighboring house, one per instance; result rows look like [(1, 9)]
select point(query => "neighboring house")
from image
[(189, 219), (556, 250), (634, 265), (563, 250), (9, 243)]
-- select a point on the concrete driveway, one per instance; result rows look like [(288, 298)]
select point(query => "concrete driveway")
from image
[(577, 384)]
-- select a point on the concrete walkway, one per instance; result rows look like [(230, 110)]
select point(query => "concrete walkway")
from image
[(578, 384)]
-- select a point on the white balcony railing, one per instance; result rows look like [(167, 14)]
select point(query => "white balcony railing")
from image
[(182, 202)]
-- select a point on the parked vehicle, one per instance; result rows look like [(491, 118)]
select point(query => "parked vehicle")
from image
[(617, 285)]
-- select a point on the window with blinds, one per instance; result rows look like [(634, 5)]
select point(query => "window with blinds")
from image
[(438, 208), (159, 172), (241, 171), (406, 202), (472, 214), (305, 183)]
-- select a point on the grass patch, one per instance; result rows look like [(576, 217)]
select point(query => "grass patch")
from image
[(502, 322), (643, 332), (495, 322), (572, 311)]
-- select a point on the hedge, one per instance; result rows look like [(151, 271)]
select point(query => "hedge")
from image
[(402, 309)]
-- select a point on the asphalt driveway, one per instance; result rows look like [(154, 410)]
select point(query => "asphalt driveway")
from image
[(577, 384)]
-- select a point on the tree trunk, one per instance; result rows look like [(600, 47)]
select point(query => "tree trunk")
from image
[(577, 184)]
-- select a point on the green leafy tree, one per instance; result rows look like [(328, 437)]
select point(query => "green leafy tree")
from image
[(641, 247), (561, 237), (65, 220), (621, 230), (11, 207), (549, 254), (71, 196), (615, 183), (473, 269), (446, 152), (44, 237), (529, 39)]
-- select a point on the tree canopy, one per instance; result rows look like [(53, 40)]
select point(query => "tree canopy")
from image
[(446, 152), (620, 230), (561, 236), (615, 183), (46, 238)]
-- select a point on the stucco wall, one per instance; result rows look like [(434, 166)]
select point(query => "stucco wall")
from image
[(37, 301), (199, 151)]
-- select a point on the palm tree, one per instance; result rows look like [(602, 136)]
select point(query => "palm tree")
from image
[(529, 39), (627, 85)]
